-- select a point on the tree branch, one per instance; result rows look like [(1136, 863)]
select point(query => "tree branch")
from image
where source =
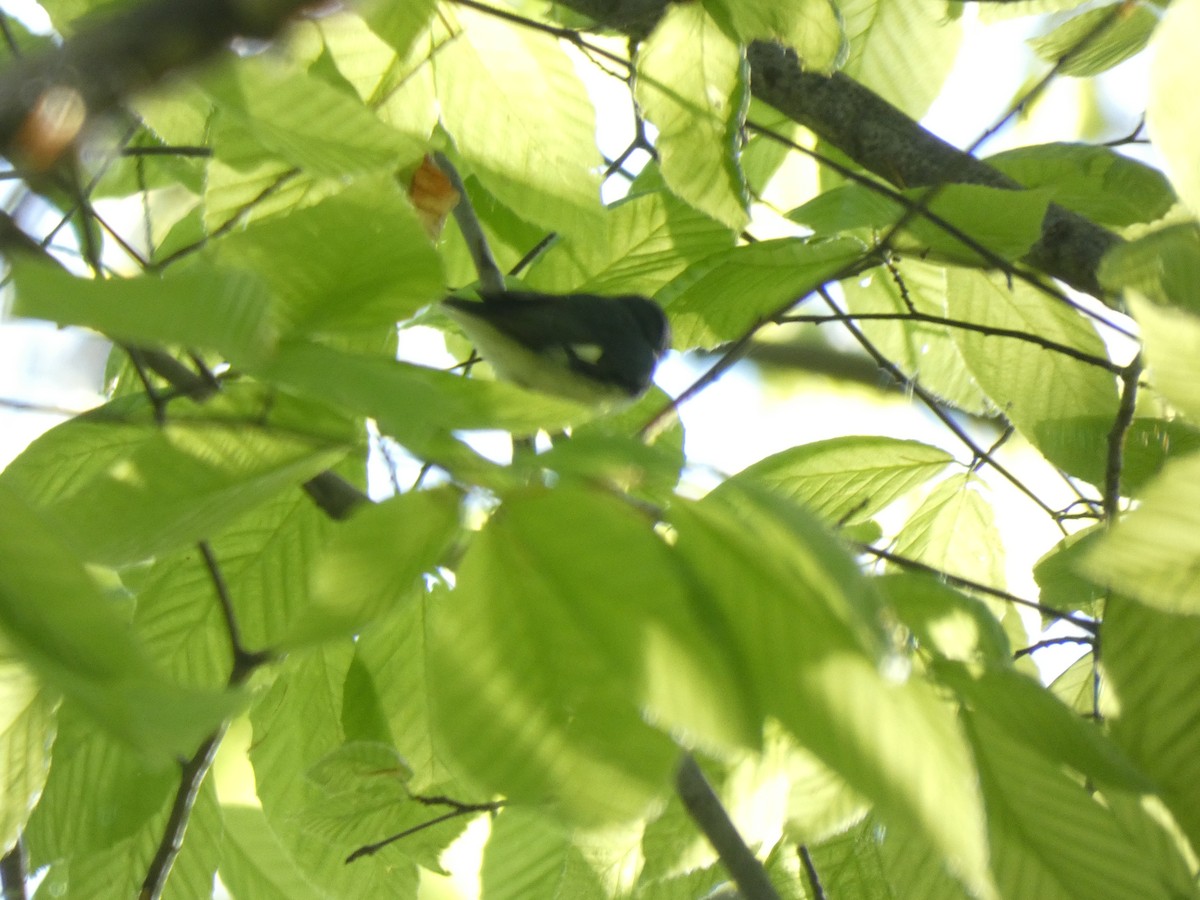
[(706, 811), (885, 141)]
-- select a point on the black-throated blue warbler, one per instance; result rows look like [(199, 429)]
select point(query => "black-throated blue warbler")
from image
[(599, 350)]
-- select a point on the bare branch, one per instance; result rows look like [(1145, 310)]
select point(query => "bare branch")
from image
[(706, 811)]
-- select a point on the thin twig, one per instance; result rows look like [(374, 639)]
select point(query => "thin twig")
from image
[(936, 408), (1116, 439), (810, 871), (457, 810), (1052, 642), (194, 770), (961, 324), (957, 581), (705, 808), (490, 276)]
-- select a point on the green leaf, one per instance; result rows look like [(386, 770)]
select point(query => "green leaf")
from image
[(1171, 339), (419, 406), (954, 531), (1149, 443), (846, 480), (691, 83), (181, 484), (1164, 266), (99, 792), (254, 864), (1068, 424), (392, 675), (1058, 575), (1173, 128), (1096, 182), (306, 122), (206, 309), (925, 351), (1005, 222), (530, 855), (645, 242), (244, 183), (567, 620), (359, 795), (944, 621), (1030, 714), (296, 726), (875, 859), (60, 625), (766, 278), (1049, 838), (1153, 554), (355, 261), (801, 619), (398, 23), (374, 561), (1127, 34), (1153, 692), (27, 729), (1076, 686), (812, 28), (900, 49), (521, 120)]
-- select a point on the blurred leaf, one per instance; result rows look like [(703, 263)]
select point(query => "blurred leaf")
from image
[(766, 278), (1163, 266), (645, 242), (802, 620), (529, 855), (27, 731), (1175, 69), (1149, 443), (812, 28), (1040, 722), (846, 480), (1153, 700), (305, 121), (900, 49), (1171, 339), (1058, 576), (1050, 838), (1127, 34), (180, 484), (567, 615), (73, 637), (1096, 182), (354, 261), (398, 23), (1069, 423), (1153, 553), (521, 120), (944, 621), (1005, 222), (954, 531), (254, 864), (419, 406), (296, 726), (206, 308), (691, 83), (374, 560)]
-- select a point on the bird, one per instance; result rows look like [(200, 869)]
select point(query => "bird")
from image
[(585, 347)]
